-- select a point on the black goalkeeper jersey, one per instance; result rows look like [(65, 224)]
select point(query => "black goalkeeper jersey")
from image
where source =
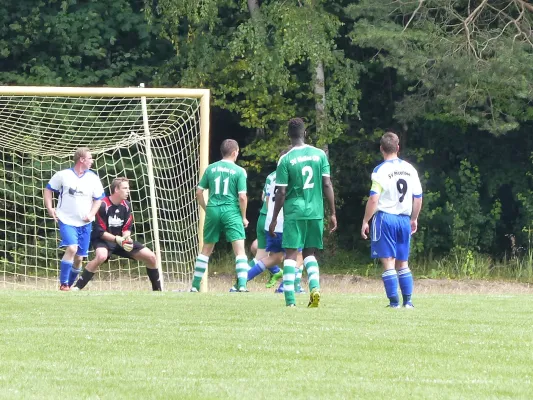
[(112, 218)]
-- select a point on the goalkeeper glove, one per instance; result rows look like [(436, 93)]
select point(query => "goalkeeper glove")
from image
[(125, 243)]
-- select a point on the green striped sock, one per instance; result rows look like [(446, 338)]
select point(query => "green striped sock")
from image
[(252, 262), (241, 266), (313, 275), (199, 269), (289, 269), (298, 278)]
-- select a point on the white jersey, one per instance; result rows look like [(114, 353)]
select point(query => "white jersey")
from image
[(76, 195), (271, 199), (397, 183)]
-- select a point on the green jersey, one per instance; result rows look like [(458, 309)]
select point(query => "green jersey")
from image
[(265, 194), (301, 171), (225, 180)]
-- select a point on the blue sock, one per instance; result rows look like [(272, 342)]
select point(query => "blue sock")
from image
[(274, 270), (256, 270), (405, 278), (280, 288), (73, 275), (64, 271), (390, 281)]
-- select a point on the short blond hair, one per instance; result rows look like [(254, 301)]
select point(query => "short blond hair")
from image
[(80, 153), (117, 182)]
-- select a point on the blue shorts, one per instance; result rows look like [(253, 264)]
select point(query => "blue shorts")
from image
[(390, 236), (273, 244), (78, 235)]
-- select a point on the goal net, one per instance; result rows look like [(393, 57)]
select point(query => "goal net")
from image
[(154, 137)]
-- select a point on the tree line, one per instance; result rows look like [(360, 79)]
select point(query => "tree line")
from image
[(452, 77)]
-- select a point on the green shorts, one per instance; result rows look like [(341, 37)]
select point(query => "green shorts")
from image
[(304, 234), (223, 219), (261, 234)]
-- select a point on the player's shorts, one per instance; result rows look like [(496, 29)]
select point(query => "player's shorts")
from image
[(223, 219), (390, 236), (274, 244), (261, 236), (78, 235), (114, 248), (303, 233)]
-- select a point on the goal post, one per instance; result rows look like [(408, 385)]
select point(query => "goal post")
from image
[(157, 137)]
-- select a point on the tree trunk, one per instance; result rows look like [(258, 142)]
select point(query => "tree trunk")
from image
[(320, 104)]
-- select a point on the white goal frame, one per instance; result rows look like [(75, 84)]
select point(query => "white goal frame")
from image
[(141, 92)]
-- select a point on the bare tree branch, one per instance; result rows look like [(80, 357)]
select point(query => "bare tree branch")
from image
[(420, 2)]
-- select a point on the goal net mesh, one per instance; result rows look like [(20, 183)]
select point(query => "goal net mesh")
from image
[(38, 137)]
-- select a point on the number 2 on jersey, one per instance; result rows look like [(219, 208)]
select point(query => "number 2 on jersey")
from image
[(401, 185), (217, 185), (308, 171)]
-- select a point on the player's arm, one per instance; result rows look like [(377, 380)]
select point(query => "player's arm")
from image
[(327, 189), (200, 198), (242, 189), (202, 186), (94, 209), (371, 208), (417, 206), (53, 186), (48, 203)]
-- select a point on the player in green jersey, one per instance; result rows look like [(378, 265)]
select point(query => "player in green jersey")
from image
[(302, 178), (225, 212)]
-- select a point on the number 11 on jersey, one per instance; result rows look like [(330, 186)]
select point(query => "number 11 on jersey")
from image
[(217, 186)]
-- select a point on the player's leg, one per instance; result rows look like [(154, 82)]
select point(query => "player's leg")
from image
[(261, 247), (69, 240), (299, 271), (313, 242), (383, 246), (405, 277), (148, 257), (292, 240), (84, 240), (212, 227), (275, 251), (234, 230), (101, 254)]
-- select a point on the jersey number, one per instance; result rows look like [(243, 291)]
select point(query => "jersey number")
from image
[(308, 171), (217, 186), (401, 185)]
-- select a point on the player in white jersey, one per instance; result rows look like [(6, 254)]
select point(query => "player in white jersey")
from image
[(80, 193), (395, 202)]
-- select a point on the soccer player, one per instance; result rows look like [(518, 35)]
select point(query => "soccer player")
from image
[(302, 177), (261, 253), (225, 212), (80, 193), (395, 202), (111, 235)]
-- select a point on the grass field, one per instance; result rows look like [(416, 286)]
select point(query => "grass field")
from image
[(144, 345)]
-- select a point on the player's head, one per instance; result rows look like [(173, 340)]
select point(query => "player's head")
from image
[(389, 143), (120, 188), (83, 157), (296, 129), (229, 149)]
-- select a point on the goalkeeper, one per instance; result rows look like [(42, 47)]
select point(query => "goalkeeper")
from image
[(111, 235)]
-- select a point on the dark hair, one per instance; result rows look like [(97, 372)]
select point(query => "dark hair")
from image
[(116, 184), (389, 142), (296, 128), (228, 146)]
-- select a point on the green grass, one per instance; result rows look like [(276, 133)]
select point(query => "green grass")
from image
[(143, 345)]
